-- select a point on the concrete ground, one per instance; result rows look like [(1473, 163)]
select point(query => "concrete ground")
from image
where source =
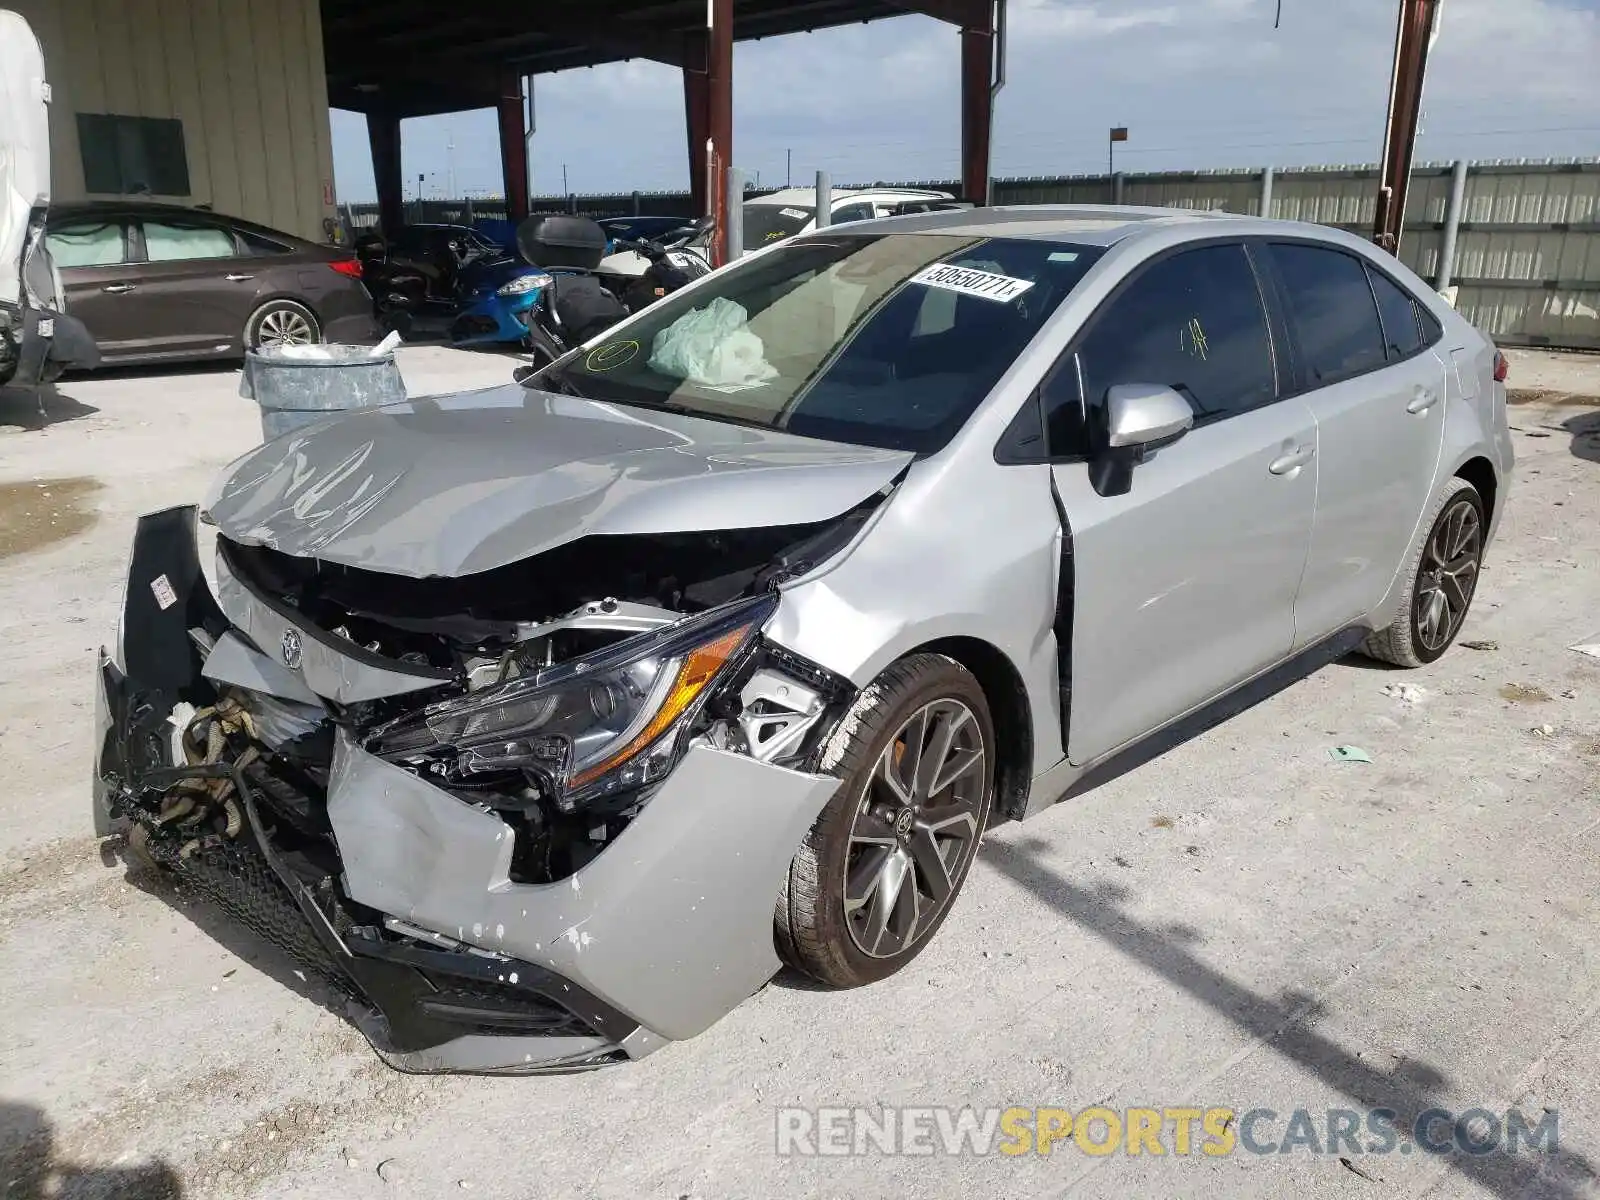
[(1243, 923)]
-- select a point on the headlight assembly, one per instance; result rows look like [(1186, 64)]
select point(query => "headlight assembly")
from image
[(588, 727), (524, 284)]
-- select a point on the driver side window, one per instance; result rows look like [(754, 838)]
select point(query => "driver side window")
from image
[(1193, 322)]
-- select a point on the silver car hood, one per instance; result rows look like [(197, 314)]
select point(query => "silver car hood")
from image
[(454, 485)]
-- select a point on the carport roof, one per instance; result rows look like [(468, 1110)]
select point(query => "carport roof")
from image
[(415, 57)]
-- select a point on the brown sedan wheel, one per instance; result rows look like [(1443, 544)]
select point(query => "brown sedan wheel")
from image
[(1443, 574), (282, 323), (879, 871)]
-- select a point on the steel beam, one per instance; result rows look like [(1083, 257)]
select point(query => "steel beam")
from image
[(1413, 37), (383, 133), (513, 145), (978, 86)]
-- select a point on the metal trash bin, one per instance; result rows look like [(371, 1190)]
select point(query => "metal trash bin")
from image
[(300, 385)]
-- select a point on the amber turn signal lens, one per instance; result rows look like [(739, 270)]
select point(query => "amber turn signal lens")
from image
[(700, 666)]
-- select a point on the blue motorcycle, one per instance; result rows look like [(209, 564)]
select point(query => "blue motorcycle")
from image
[(494, 295)]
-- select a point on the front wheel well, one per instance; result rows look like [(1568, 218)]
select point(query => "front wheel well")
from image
[(1479, 472), (1008, 707)]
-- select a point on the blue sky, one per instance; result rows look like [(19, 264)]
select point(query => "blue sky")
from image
[(1200, 83)]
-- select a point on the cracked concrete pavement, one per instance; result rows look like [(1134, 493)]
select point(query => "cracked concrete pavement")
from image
[(1241, 923)]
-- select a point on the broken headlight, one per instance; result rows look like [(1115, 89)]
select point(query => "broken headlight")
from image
[(588, 727)]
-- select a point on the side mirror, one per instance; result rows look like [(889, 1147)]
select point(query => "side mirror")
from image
[(1140, 419)]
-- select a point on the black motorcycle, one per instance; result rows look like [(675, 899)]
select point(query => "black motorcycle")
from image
[(582, 302)]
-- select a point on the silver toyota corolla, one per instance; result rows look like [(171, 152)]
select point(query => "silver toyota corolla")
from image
[(548, 720)]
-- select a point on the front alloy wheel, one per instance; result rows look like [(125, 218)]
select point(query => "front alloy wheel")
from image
[(915, 828), (881, 868)]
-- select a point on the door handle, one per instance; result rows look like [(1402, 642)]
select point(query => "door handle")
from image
[(1292, 461), (116, 289), (238, 278), (1422, 400)]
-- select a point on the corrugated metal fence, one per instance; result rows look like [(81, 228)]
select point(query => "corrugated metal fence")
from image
[(1526, 234)]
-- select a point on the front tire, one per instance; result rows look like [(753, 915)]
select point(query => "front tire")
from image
[(881, 868), (1442, 577), (282, 323)]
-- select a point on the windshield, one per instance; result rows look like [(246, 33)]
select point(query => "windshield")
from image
[(889, 340), (768, 223)]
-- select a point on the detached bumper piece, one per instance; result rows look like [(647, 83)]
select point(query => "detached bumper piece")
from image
[(265, 854)]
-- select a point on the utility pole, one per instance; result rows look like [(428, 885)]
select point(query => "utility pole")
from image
[(1414, 37), (788, 168), (450, 157)]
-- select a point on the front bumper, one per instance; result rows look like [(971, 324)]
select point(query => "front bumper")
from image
[(668, 929), (50, 343)]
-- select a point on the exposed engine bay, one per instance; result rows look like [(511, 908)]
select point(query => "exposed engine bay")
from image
[(574, 679)]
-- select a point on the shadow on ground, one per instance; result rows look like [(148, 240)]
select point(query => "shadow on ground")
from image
[(32, 1168), (1585, 431), (1285, 1026), (209, 366), (35, 409)]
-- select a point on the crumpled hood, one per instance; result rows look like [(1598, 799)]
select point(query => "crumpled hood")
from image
[(455, 485)]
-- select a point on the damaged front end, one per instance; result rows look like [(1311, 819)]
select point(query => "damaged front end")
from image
[(526, 820)]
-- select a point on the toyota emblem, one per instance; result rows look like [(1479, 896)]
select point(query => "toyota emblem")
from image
[(291, 648)]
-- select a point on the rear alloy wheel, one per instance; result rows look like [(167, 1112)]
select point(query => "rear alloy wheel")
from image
[(282, 323), (1443, 576), (882, 867)]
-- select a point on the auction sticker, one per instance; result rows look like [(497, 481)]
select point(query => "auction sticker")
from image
[(161, 586), (972, 282), (611, 356)]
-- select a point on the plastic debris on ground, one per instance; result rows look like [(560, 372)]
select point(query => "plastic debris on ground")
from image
[(1406, 693), (1543, 731), (1592, 649), (1480, 645), (1349, 754)]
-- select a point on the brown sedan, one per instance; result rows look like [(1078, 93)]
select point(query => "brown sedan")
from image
[(155, 283)]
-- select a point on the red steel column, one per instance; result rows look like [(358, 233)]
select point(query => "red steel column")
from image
[(1411, 40), (719, 148), (697, 115), (977, 109), (513, 145), (383, 133)]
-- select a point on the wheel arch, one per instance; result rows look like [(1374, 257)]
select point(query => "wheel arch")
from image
[(1480, 473), (1009, 708)]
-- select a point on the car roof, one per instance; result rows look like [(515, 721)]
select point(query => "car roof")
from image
[(1089, 224), (807, 195), (110, 209)]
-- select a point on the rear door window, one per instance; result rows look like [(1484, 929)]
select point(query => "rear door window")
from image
[(1193, 322), (1402, 336), (1333, 312), (164, 242), (97, 244)]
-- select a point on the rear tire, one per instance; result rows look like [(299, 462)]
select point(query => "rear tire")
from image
[(282, 323), (881, 868), (1441, 579)]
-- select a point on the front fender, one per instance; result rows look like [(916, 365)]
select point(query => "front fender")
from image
[(934, 566)]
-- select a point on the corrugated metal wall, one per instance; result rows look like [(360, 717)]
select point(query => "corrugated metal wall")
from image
[(245, 77), (1527, 255)]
